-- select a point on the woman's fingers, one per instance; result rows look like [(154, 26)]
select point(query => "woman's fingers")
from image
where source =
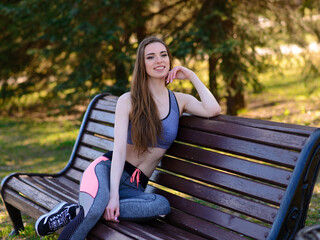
[(111, 214), (117, 214), (172, 75), (176, 69), (169, 77), (178, 72)]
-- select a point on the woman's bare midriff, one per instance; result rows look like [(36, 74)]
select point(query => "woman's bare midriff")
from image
[(146, 162)]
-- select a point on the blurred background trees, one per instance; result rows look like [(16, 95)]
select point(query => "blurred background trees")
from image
[(56, 54)]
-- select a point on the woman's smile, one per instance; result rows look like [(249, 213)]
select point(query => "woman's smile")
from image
[(159, 68)]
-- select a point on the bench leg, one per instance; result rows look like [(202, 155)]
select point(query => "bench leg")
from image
[(16, 219)]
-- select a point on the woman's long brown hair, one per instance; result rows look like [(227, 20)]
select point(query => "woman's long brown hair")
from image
[(145, 121)]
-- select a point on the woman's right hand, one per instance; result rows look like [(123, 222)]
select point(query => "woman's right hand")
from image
[(112, 212)]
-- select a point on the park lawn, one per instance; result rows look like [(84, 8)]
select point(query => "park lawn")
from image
[(44, 145), (31, 145), (286, 98)]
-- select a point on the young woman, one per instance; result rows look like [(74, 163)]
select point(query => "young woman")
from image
[(146, 124)]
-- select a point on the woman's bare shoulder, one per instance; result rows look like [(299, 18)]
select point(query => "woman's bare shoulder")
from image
[(124, 101), (125, 98)]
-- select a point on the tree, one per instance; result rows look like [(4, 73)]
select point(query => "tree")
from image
[(302, 21), (69, 49), (218, 34)]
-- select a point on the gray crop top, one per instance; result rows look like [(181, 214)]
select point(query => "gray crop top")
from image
[(170, 124)]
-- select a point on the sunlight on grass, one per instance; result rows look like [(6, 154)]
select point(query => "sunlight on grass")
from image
[(32, 146), (286, 98), (313, 216), (26, 145), (288, 84)]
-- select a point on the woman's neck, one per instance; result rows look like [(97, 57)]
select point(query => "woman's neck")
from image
[(156, 86)]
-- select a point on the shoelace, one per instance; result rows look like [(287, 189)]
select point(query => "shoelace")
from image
[(136, 174), (59, 220)]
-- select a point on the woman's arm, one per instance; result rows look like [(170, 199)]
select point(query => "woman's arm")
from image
[(207, 107), (119, 155)]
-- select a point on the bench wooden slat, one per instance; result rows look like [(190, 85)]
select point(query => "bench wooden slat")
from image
[(110, 98), (73, 192), (226, 181), (30, 208), (101, 116), (70, 185), (101, 129), (180, 217), (46, 188), (74, 175), (150, 232), (281, 157), (33, 193), (101, 231), (97, 142), (278, 139), (227, 200), (263, 124), (38, 187), (242, 167), (57, 188), (126, 230), (108, 101), (89, 153), (225, 220), (145, 232), (201, 227), (81, 163), (106, 105), (174, 231)]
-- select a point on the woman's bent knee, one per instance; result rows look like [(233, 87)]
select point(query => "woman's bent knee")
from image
[(144, 207), (162, 205)]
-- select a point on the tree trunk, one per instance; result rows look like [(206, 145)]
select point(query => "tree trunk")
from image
[(235, 97), (121, 78), (231, 59), (213, 85)]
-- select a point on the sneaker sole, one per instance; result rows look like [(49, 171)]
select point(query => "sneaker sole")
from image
[(54, 210)]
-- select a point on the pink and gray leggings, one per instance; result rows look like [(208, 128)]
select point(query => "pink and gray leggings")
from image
[(135, 204)]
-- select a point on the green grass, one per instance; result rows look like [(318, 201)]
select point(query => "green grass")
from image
[(30, 145), (286, 98)]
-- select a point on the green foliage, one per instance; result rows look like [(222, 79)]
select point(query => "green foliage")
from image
[(218, 31), (70, 50), (78, 45)]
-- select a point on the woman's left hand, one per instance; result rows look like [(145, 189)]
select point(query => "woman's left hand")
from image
[(179, 72)]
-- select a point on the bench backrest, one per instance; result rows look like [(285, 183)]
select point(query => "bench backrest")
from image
[(225, 177)]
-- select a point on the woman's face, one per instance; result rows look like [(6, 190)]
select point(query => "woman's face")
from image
[(156, 60)]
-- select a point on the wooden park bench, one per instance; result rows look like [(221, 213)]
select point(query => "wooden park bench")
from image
[(225, 178)]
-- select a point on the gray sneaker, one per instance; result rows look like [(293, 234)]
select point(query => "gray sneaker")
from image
[(57, 218)]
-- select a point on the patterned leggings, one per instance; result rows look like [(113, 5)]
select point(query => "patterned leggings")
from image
[(135, 204)]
